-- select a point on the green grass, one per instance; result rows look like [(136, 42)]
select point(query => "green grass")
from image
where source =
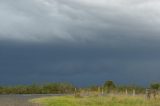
[(97, 101)]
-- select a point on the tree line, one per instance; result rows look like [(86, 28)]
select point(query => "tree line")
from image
[(110, 86), (50, 88), (67, 88)]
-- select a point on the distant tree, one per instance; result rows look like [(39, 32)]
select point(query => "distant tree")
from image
[(155, 86), (109, 85)]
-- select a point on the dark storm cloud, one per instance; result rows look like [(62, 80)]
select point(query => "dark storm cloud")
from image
[(74, 40), (77, 64)]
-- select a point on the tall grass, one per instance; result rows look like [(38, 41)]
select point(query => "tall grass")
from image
[(98, 101)]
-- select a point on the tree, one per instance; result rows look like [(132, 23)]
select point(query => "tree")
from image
[(109, 85), (155, 86)]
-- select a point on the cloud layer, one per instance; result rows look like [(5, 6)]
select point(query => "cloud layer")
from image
[(78, 20)]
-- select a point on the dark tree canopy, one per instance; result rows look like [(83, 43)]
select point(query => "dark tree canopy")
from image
[(109, 85), (155, 86)]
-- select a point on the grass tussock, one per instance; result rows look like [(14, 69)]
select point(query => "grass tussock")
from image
[(98, 101)]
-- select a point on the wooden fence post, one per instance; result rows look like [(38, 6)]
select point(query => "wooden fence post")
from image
[(134, 92), (102, 91), (126, 92), (75, 92)]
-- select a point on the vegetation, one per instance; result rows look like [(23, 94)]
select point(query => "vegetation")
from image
[(130, 88), (108, 94), (61, 88), (155, 86), (97, 101), (51, 88), (109, 85)]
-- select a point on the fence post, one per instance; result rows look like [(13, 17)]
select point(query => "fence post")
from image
[(134, 92), (75, 92), (126, 92), (102, 91)]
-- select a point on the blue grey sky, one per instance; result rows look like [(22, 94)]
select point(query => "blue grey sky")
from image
[(84, 42)]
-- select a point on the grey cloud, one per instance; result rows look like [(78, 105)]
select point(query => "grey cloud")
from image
[(78, 20)]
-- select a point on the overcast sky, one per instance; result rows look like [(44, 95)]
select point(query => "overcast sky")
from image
[(84, 42)]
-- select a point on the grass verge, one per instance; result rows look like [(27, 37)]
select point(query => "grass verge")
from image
[(97, 101)]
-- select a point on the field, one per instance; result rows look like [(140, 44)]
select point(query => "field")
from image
[(97, 101)]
